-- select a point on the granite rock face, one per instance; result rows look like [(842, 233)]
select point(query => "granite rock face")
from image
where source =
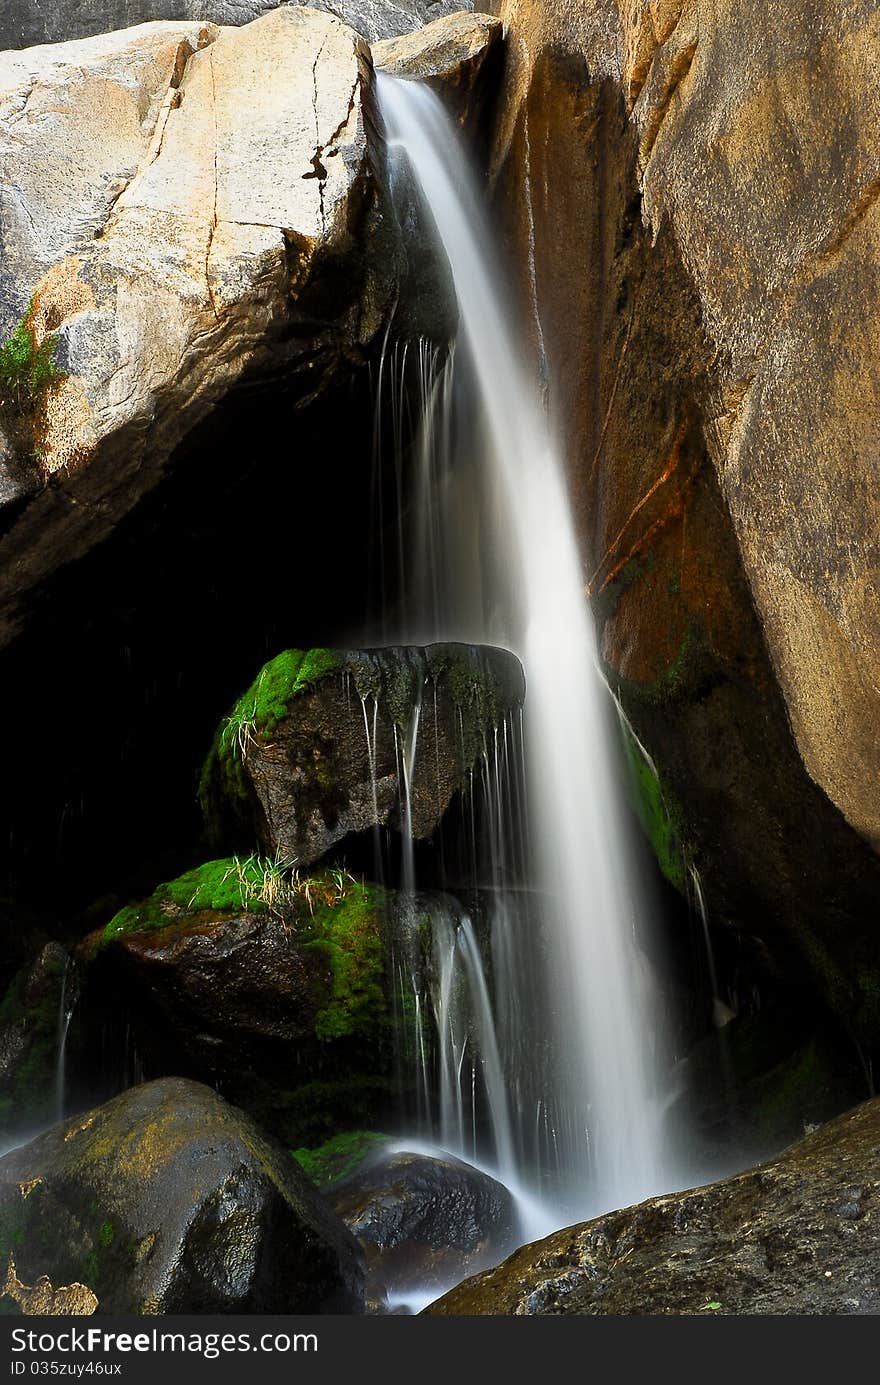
[(708, 337), (456, 56), (192, 207)]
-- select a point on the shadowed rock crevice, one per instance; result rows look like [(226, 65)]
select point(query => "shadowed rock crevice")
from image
[(153, 634)]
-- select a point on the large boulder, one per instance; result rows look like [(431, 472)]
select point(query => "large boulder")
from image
[(23, 23), (327, 743), (708, 339), (275, 987), (797, 1235), (424, 1219), (188, 207), (167, 1200)]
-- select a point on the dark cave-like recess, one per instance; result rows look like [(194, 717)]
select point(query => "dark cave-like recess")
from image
[(258, 538)]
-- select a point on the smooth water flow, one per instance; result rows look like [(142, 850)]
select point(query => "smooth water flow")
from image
[(65, 1015), (600, 1105)]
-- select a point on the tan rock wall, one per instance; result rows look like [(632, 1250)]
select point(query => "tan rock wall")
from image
[(691, 190)]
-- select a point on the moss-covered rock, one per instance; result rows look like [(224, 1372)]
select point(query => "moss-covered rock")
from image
[(340, 1156), (228, 885), (168, 1200), (319, 745), (273, 984), (29, 1038), (27, 374)]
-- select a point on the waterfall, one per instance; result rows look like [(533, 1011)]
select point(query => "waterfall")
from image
[(596, 1107), (65, 1014)]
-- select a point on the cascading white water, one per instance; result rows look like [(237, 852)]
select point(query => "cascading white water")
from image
[(606, 1110), (65, 1015)]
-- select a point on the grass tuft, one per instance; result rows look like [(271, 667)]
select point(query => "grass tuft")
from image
[(27, 370)]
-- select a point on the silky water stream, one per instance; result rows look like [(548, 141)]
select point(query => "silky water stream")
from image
[(546, 1064)]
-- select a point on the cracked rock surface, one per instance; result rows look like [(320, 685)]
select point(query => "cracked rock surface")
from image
[(184, 206), (797, 1235)]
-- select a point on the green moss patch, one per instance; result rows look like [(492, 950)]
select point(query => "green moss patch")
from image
[(27, 374), (656, 812), (225, 886), (27, 371), (256, 716), (347, 929), (339, 1156), (266, 703)]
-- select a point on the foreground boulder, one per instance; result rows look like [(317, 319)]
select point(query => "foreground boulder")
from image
[(190, 206), (41, 1299), (709, 334), (327, 743), (798, 1235), (167, 1200), (424, 1220), (275, 986)]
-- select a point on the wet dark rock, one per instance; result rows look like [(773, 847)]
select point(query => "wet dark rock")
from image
[(29, 1040), (763, 1081), (291, 765), (423, 1220), (168, 1200), (797, 1235)]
